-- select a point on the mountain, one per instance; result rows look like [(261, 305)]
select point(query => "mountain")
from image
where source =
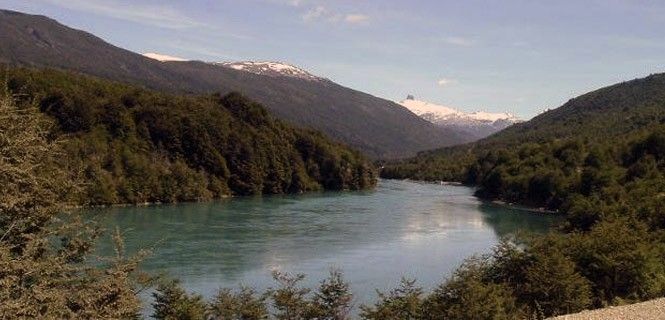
[(378, 127), (476, 125)]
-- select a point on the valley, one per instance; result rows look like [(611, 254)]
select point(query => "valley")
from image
[(211, 178)]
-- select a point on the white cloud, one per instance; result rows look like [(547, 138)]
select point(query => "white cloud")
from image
[(444, 82), (155, 15), (356, 18), (460, 41)]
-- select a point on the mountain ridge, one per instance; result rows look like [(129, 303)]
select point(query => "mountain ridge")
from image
[(378, 127)]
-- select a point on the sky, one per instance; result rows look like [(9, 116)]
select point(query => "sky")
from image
[(519, 56)]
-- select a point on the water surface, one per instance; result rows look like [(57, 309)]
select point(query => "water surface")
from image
[(402, 228)]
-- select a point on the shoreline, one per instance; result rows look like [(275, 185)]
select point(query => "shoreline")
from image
[(224, 197), (539, 210), (501, 203)]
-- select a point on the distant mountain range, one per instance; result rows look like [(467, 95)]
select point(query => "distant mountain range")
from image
[(378, 127), (475, 125)]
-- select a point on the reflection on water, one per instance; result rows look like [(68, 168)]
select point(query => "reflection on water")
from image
[(400, 229)]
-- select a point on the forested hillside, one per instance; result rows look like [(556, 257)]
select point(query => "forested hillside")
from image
[(132, 145), (543, 161)]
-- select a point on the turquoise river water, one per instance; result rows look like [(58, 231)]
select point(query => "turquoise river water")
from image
[(400, 229)]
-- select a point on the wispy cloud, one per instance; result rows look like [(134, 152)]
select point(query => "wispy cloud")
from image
[(444, 82), (316, 13), (324, 14), (295, 3), (460, 41), (356, 18), (155, 15), (634, 42), (291, 3), (520, 43)]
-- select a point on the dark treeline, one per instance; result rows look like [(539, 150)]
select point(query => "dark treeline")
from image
[(132, 145)]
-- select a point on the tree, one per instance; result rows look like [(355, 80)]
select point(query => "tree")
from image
[(401, 303), (289, 299), (40, 277), (553, 285), (469, 295), (173, 303), (241, 305), (333, 299)]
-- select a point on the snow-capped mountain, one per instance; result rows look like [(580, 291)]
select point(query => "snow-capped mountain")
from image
[(479, 124), (271, 68), (266, 68)]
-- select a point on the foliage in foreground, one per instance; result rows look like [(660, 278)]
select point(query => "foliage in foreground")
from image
[(43, 269), (289, 301)]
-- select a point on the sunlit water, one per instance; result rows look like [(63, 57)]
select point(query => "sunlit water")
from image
[(400, 229)]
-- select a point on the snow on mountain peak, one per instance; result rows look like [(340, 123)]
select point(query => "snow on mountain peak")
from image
[(478, 123), (162, 57), (429, 110), (443, 113), (270, 68)]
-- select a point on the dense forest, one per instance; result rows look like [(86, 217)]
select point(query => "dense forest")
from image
[(132, 145)]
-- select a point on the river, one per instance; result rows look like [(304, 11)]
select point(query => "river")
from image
[(400, 229)]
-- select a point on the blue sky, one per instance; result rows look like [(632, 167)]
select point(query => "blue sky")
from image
[(520, 56)]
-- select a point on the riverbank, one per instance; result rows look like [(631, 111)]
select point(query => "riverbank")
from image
[(499, 203), (649, 310), (522, 208)]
